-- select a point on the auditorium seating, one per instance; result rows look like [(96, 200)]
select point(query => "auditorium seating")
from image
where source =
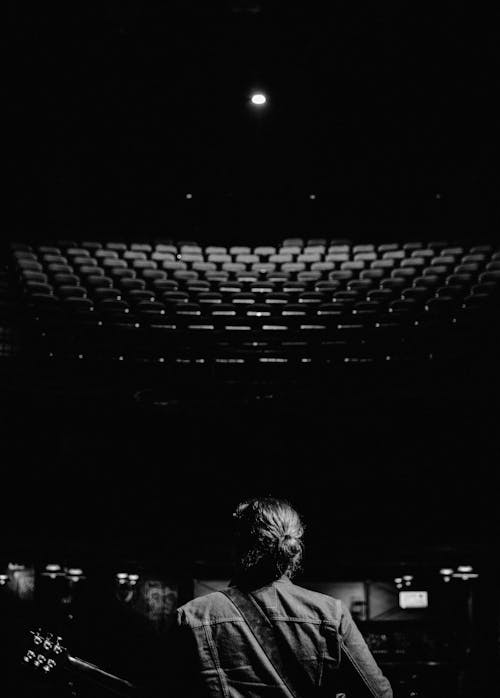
[(296, 301)]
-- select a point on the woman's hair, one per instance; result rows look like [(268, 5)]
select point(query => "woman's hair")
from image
[(268, 535)]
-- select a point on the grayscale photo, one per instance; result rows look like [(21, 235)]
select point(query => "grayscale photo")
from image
[(249, 350)]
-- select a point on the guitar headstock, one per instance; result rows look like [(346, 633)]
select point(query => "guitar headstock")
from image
[(47, 656), (46, 652)]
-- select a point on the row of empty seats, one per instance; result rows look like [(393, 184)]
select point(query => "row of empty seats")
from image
[(298, 292)]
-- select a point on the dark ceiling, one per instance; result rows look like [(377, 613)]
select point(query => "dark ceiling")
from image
[(387, 113)]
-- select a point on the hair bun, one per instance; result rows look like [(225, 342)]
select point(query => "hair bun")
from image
[(269, 537), (289, 545)]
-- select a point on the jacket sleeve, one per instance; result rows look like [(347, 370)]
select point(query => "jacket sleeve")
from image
[(358, 660), (183, 677)]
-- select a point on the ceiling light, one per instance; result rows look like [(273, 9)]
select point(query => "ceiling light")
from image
[(258, 99)]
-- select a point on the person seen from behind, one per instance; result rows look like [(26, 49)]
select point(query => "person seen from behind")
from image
[(265, 636)]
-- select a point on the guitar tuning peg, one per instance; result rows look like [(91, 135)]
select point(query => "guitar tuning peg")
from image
[(37, 637), (29, 656), (50, 664), (58, 648), (40, 660)]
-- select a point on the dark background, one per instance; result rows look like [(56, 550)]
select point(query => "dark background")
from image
[(388, 114)]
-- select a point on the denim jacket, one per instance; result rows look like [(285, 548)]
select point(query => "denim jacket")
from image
[(219, 657)]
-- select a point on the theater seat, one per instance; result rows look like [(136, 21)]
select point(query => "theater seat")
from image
[(363, 299)]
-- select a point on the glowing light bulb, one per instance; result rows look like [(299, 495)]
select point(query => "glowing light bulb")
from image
[(258, 99)]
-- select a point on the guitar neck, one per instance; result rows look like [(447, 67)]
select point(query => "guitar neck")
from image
[(93, 673)]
